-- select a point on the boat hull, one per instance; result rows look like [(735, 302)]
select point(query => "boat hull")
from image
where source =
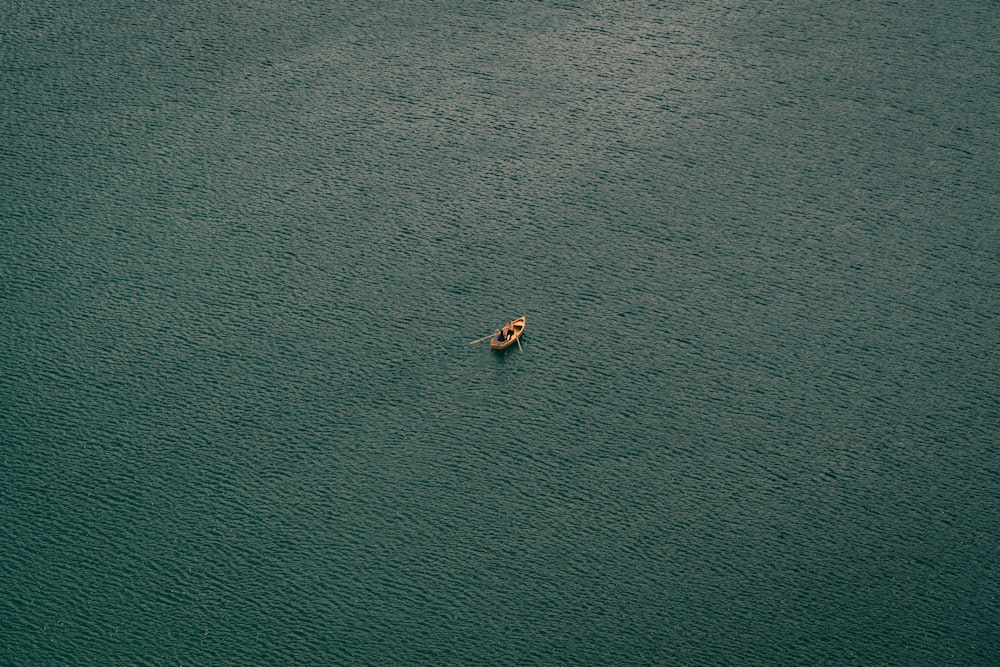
[(513, 329)]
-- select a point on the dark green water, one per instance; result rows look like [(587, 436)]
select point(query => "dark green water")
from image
[(243, 247)]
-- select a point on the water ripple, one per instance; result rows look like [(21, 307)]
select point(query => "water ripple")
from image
[(244, 250)]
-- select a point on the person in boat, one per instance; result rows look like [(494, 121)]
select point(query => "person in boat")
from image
[(502, 336)]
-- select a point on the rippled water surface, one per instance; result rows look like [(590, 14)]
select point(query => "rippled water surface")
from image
[(243, 247)]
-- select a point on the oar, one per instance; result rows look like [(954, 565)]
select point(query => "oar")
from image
[(519, 348), (480, 340)]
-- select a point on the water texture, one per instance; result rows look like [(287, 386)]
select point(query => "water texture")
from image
[(243, 248)]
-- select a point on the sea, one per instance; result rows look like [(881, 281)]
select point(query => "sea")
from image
[(754, 418)]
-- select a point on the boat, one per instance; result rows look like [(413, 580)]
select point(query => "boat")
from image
[(507, 335)]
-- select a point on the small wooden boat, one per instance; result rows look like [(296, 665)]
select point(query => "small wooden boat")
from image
[(507, 335)]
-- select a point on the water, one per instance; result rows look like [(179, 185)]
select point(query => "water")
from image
[(244, 248)]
